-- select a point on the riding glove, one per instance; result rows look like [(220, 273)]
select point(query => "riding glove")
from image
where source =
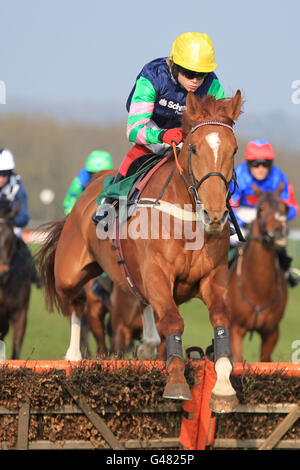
[(171, 135)]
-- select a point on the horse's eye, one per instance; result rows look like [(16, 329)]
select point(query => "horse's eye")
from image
[(235, 151), (193, 149)]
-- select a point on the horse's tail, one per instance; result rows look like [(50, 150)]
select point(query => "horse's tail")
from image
[(45, 263)]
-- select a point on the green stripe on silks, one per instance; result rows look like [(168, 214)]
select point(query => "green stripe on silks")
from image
[(122, 188)]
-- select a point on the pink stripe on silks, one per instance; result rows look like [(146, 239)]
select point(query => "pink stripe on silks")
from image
[(138, 123), (139, 108), (141, 136)]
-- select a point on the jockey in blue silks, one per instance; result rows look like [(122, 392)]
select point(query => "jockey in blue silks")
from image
[(258, 169)]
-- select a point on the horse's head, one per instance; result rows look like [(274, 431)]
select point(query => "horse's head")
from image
[(7, 236), (208, 152), (272, 216)]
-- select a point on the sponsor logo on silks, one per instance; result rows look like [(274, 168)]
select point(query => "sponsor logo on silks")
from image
[(220, 332), (178, 338), (163, 102), (170, 104)]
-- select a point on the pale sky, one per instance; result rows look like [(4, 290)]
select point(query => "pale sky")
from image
[(92, 50)]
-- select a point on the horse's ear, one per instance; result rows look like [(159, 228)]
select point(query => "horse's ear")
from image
[(236, 104), (257, 191), (280, 188), (192, 107)]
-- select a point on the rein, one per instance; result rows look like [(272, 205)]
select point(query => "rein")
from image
[(193, 185)]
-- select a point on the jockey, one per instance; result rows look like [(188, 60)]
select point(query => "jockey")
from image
[(258, 169), (12, 189), (98, 160), (158, 98)]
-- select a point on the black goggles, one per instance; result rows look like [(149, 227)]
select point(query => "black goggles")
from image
[(5, 173), (190, 74), (257, 163)]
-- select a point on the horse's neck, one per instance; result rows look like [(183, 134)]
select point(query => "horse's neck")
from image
[(177, 191), (259, 260)]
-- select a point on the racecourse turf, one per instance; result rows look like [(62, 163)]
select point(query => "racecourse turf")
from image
[(47, 335)]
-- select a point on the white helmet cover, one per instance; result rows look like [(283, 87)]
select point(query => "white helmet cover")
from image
[(6, 160)]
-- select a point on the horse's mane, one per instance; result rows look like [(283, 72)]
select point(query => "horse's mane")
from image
[(209, 109), (5, 207)]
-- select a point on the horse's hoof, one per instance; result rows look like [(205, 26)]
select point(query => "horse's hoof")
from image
[(177, 392), (223, 404)]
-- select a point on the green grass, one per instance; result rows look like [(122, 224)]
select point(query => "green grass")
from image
[(47, 335)]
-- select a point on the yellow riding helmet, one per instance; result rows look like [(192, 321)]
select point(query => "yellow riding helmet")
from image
[(194, 51)]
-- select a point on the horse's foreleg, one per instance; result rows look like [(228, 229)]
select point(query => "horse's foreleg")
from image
[(84, 337), (150, 339), (213, 291), (268, 344), (237, 335), (96, 315), (73, 353), (19, 327), (170, 326)]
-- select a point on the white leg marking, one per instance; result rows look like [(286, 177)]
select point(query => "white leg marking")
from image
[(73, 353), (150, 339), (223, 370), (213, 141)]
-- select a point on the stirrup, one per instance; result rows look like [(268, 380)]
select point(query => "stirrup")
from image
[(99, 217), (100, 213)]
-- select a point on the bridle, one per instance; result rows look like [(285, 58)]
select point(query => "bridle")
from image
[(193, 185)]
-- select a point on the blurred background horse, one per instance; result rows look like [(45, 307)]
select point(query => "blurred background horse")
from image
[(15, 279), (258, 286)]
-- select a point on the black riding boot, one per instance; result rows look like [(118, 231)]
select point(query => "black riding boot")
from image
[(285, 261), (100, 214)]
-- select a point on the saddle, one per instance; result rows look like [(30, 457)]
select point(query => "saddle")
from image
[(138, 175)]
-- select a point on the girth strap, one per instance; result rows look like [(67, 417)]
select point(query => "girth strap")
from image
[(123, 265)]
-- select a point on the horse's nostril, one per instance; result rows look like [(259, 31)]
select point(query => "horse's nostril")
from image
[(225, 215), (206, 217), (215, 218)]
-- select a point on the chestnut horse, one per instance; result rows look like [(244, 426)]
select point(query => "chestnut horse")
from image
[(166, 271), (15, 279), (258, 287)]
